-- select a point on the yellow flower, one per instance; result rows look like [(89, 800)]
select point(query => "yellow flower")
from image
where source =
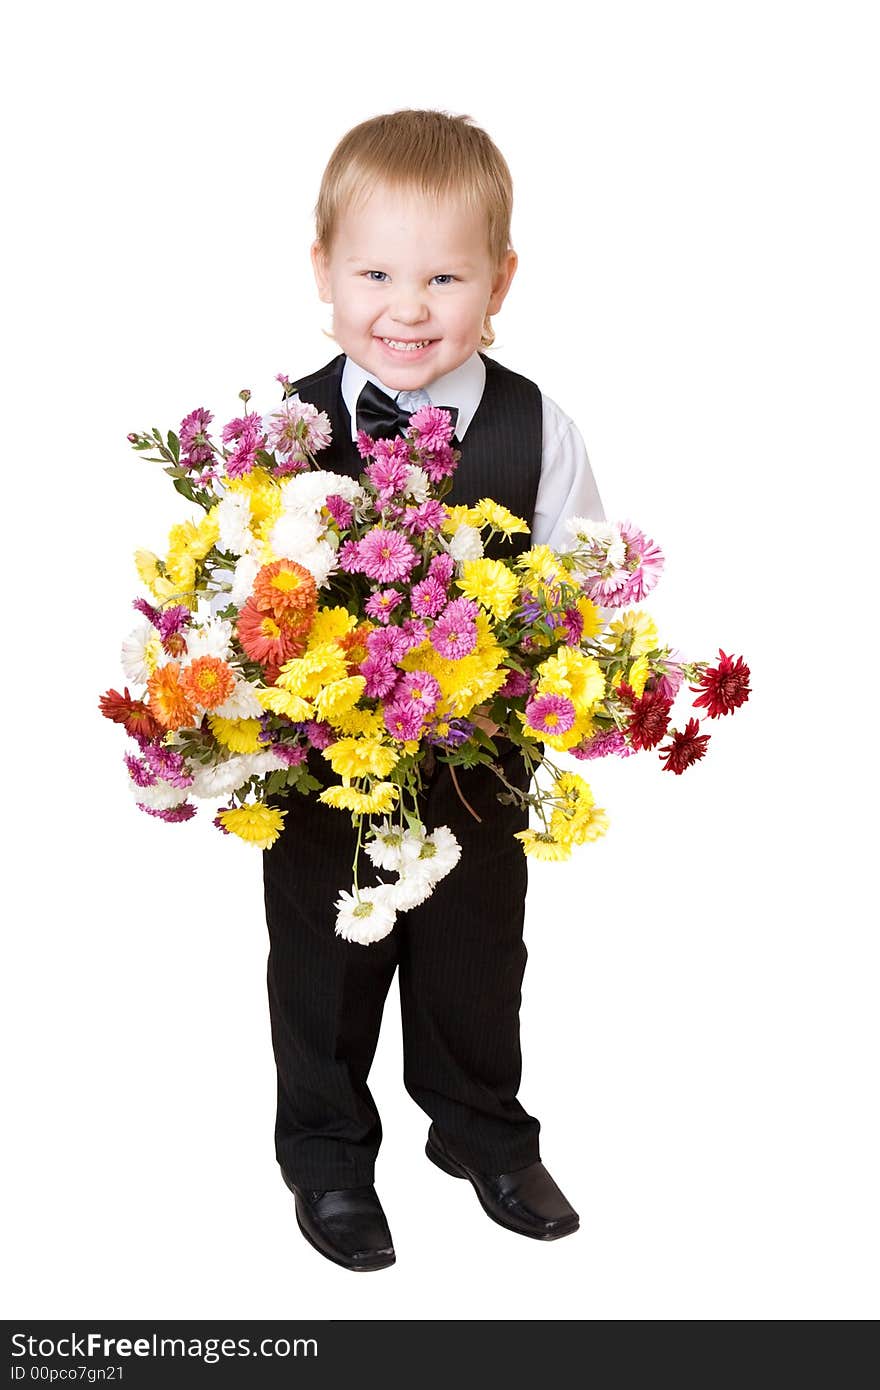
[(643, 628), (256, 823), (638, 674), (338, 697), (361, 757), (330, 624), (307, 675), (592, 616), (281, 701), (263, 494), (490, 583), (238, 735), (493, 514), (540, 845), (573, 820), (358, 721), (538, 563), (456, 516), (572, 673), (381, 798), (587, 824)]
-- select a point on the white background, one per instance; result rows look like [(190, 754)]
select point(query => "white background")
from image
[(696, 219)]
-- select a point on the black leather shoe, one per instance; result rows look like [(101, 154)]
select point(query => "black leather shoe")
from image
[(526, 1201), (347, 1225)]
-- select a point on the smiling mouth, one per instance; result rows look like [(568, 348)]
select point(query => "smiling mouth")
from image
[(403, 345)]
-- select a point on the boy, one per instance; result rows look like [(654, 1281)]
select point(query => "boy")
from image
[(412, 250)]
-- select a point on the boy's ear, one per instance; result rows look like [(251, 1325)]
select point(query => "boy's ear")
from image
[(322, 277), (501, 281)]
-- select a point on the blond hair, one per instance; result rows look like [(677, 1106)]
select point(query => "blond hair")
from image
[(431, 152)]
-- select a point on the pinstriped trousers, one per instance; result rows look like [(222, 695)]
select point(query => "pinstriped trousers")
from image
[(460, 958)]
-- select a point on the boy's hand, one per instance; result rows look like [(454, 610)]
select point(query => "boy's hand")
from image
[(484, 722)]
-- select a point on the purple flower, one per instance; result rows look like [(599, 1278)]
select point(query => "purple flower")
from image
[(454, 634), (388, 475), (292, 753), (171, 620), (348, 557), (433, 427), (390, 642)]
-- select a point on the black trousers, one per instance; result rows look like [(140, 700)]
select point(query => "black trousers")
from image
[(460, 957)]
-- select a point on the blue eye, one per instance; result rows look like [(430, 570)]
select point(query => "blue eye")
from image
[(371, 273)]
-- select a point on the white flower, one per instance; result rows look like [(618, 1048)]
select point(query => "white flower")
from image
[(393, 848), (320, 561), (410, 890), (142, 652), (242, 703), (222, 778), (160, 797), (440, 853), (212, 639), (603, 533), (466, 544), (418, 484), (234, 516), (305, 493), (295, 533), (259, 764), (366, 920), (243, 579)]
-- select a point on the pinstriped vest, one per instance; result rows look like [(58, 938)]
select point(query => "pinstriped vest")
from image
[(501, 452)]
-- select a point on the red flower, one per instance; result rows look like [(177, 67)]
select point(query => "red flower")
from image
[(135, 715), (649, 718), (724, 686), (685, 748)]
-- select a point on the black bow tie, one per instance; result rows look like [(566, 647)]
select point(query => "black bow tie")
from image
[(382, 417)]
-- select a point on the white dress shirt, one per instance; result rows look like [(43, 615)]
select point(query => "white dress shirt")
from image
[(566, 487)]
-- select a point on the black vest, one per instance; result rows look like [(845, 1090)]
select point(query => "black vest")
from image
[(501, 452)]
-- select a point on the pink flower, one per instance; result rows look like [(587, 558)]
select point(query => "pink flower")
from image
[(386, 555), (439, 464), (433, 426), (319, 733), (194, 444), (601, 745), (455, 633), (516, 684), (419, 688), (366, 444), (403, 720), (380, 675), (388, 475), (341, 511), (348, 557), (382, 604), (391, 642), (442, 567), (415, 630), (428, 597), (298, 427), (427, 516), (551, 714)]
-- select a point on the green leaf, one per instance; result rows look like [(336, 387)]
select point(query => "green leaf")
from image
[(184, 486), (174, 445)]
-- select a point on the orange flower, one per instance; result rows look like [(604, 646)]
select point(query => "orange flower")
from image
[(208, 681), (169, 701), (272, 637), (354, 644), (285, 584)]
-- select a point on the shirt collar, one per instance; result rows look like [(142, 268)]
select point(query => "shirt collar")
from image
[(463, 387)]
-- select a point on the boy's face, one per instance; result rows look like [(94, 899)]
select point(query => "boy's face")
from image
[(406, 268)]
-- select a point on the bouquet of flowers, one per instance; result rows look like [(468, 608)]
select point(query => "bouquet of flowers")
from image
[(306, 609)]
